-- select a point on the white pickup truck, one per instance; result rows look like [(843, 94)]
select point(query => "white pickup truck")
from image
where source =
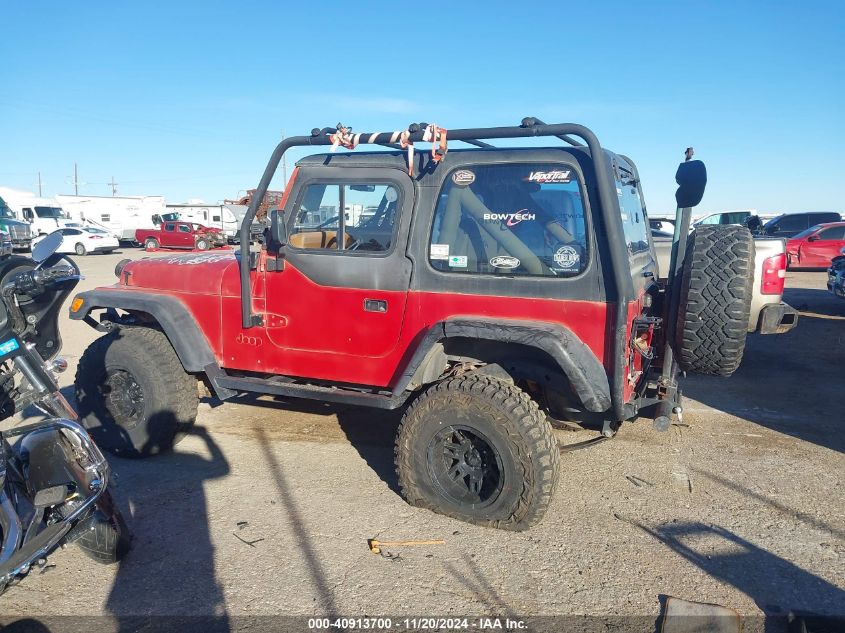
[(769, 314)]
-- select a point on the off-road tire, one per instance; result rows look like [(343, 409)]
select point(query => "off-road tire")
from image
[(79, 249), (169, 394), (202, 245), (151, 244), (715, 300), (519, 432)]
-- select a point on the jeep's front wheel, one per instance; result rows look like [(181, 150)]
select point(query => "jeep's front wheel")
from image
[(133, 395), (478, 449)]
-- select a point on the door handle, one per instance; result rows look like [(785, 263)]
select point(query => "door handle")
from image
[(375, 305)]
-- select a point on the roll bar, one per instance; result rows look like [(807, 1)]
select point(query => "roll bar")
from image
[(621, 284)]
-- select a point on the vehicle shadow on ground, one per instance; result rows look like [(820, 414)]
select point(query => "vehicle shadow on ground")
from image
[(776, 585), (170, 569), (790, 383), (370, 431)]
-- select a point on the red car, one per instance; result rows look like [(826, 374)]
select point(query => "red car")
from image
[(180, 235), (817, 246)]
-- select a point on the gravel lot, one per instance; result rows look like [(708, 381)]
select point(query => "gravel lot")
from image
[(742, 505)]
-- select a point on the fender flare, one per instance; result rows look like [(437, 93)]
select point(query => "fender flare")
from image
[(585, 372), (177, 322)]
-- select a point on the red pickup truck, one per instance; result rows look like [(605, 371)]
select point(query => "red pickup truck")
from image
[(180, 235)]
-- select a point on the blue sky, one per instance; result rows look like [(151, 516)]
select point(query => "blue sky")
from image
[(187, 99)]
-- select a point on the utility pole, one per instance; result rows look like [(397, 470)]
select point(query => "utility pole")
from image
[(39, 184), (75, 180), (113, 187)]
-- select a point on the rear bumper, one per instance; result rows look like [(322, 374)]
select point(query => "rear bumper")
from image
[(777, 318)]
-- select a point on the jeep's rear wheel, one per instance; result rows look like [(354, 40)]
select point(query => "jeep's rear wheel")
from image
[(478, 449), (715, 299), (134, 397)]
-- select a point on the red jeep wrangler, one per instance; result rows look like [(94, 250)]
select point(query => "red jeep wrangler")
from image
[(491, 291)]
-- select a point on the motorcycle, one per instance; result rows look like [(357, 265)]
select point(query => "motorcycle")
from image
[(53, 478)]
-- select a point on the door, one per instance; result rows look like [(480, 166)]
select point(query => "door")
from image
[(819, 252), (185, 235), (338, 305), (168, 234)]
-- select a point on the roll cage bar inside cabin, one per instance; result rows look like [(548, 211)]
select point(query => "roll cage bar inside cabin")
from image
[(619, 284)]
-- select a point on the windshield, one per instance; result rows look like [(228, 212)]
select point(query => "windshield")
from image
[(50, 212), (809, 231), (93, 230)]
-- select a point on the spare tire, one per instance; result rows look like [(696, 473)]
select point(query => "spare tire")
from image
[(715, 299)]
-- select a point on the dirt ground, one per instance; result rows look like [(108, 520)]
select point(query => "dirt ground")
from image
[(267, 507)]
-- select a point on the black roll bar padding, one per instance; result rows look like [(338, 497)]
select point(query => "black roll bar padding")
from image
[(620, 283)]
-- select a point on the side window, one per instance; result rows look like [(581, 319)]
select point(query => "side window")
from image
[(633, 214), (215, 218), (183, 228), (169, 227), (711, 219), (27, 213), (833, 233), (346, 217), (105, 218), (514, 219), (792, 223)]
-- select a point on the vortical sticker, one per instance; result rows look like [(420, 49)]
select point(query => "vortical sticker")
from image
[(510, 219), (504, 261), (439, 251), (463, 177), (557, 175), (458, 261), (567, 257)]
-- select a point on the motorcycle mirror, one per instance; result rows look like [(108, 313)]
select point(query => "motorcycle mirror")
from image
[(46, 247)]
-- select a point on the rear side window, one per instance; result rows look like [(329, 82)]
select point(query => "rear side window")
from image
[(632, 209), (169, 227), (515, 219)]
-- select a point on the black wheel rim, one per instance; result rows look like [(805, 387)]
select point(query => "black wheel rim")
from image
[(124, 398), (465, 466)]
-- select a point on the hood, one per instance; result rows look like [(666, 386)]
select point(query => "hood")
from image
[(198, 273)]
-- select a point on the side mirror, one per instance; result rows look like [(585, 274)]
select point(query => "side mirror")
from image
[(691, 178), (813, 238), (46, 247), (278, 228)]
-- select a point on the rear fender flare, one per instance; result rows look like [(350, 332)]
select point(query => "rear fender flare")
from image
[(580, 365)]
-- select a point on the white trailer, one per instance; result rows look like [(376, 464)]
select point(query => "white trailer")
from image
[(119, 215)]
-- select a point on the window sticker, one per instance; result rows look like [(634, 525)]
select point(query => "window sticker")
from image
[(439, 251), (458, 261), (510, 219), (504, 261), (556, 175), (567, 257), (463, 178)]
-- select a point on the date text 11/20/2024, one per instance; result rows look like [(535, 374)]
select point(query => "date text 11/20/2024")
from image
[(417, 624)]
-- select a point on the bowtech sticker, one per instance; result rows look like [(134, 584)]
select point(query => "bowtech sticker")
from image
[(458, 261), (510, 219), (567, 257), (556, 175), (504, 261), (463, 178)]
